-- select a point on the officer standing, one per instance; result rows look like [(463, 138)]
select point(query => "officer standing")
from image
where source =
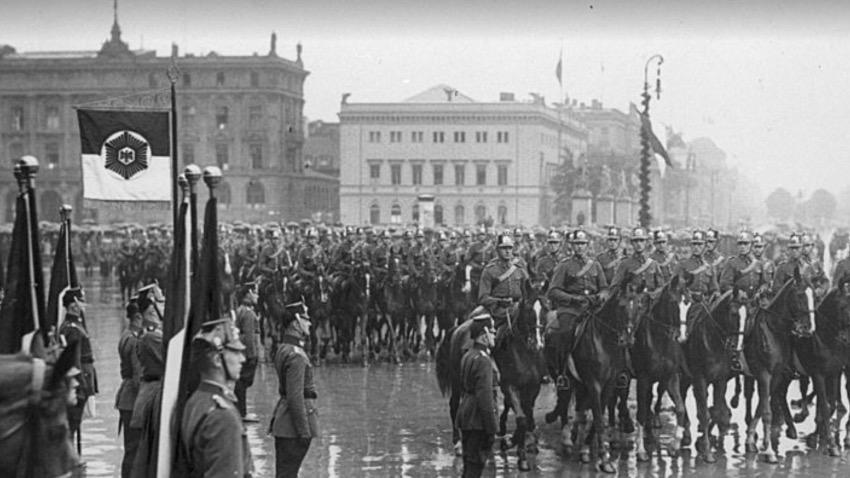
[(294, 422), (476, 413), (131, 374), (249, 330), (73, 329), (502, 285), (212, 434)]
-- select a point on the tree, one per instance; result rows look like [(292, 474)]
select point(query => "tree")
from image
[(780, 204), (821, 206)]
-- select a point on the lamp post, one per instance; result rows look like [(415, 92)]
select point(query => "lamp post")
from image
[(645, 217)]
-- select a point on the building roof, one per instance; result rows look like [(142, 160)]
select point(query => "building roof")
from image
[(441, 93)]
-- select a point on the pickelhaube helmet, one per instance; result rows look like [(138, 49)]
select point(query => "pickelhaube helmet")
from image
[(554, 236), (580, 237), (504, 241), (467, 233), (420, 234), (386, 234), (517, 232), (698, 237), (613, 232), (273, 233), (745, 237), (639, 234), (312, 232), (660, 237), (795, 241), (408, 235), (442, 236)]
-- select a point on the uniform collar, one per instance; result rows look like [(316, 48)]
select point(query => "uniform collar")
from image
[(480, 347), (217, 388), (293, 340)]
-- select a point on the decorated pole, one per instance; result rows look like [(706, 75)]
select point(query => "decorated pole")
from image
[(645, 216)]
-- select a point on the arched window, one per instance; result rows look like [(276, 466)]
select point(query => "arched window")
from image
[(223, 194), (51, 201), (254, 193), (374, 214), (414, 213), (395, 214), (480, 213), (459, 212), (502, 214), (438, 214)]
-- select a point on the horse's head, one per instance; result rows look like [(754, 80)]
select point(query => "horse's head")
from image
[(799, 301), (672, 308), (530, 323), (34, 431), (633, 303)]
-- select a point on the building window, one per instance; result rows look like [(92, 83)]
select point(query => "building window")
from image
[(187, 79), (480, 136), (438, 214), (416, 136), (255, 150), (152, 81), (502, 137), (439, 136), (17, 118), (502, 215), (481, 174), (417, 174), (255, 116), (51, 117), (460, 174), (503, 175), (374, 136), (414, 213), (223, 193), (480, 213), (459, 219), (395, 136), (395, 174), (254, 193), (438, 174), (255, 79), (219, 79), (221, 117), (395, 214), (374, 214), (51, 154), (188, 153), (222, 155), (460, 137), (375, 173)]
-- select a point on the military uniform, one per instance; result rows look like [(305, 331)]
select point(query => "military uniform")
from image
[(476, 412), (573, 281), (249, 332), (842, 272), (714, 259), (610, 261), (125, 398), (478, 256), (294, 421), (501, 280), (666, 264), (214, 438), (785, 272), (744, 272), (74, 331), (544, 264), (647, 274)]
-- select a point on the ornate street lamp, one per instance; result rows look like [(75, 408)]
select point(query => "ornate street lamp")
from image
[(645, 218)]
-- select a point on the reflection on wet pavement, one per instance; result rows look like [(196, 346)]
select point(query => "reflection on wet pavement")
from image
[(391, 421)]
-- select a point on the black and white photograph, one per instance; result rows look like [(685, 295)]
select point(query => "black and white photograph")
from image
[(395, 238)]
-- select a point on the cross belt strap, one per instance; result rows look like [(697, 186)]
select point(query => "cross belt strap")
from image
[(749, 268), (507, 273), (584, 270), (640, 270)]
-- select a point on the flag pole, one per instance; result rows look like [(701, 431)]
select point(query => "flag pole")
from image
[(25, 171), (173, 76)]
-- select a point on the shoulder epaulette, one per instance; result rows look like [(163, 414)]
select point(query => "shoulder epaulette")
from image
[(221, 402)]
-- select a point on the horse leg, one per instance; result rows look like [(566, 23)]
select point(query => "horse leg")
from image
[(655, 416), (737, 393), (513, 397), (644, 403), (780, 395), (701, 396), (749, 389), (847, 426), (804, 402), (722, 414), (627, 425), (833, 392), (673, 387), (684, 385), (823, 411), (454, 402), (601, 449)]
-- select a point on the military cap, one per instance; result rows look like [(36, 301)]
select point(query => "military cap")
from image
[(711, 235), (758, 240), (442, 236), (808, 239), (132, 308), (295, 310), (540, 233), (386, 234), (795, 241), (144, 297), (613, 232), (273, 233), (72, 295), (517, 231), (698, 237), (420, 234), (467, 233), (579, 237), (219, 334), (312, 232), (745, 237), (639, 234), (554, 236), (660, 236), (504, 241), (481, 319)]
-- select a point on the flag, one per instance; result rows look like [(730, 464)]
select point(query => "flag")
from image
[(63, 275), (654, 143), (559, 67), (125, 155)]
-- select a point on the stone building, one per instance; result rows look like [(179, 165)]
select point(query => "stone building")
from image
[(321, 147), (482, 161), (242, 113)]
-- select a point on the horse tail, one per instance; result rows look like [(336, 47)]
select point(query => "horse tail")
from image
[(443, 363)]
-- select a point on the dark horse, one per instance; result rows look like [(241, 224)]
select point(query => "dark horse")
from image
[(34, 437), (823, 348), (275, 293), (423, 292), (658, 357), (350, 295), (520, 364), (768, 350)]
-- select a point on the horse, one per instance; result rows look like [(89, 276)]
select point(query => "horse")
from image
[(396, 308), (519, 359), (34, 434), (823, 348), (350, 295), (600, 356), (658, 357), (424, 296), (275, 292), (709, 361)]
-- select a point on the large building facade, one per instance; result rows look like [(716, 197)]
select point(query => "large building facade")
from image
[(242, 113), (484, 162)]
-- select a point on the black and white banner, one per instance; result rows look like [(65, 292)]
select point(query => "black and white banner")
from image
[(125, 155)]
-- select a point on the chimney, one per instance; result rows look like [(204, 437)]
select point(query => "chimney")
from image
[(505, 96)]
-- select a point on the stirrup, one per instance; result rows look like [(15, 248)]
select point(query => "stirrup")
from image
[(562, 383), (624, 379)]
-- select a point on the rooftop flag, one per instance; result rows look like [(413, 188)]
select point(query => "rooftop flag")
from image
[(125, 155)]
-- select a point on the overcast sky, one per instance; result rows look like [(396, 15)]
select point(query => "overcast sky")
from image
[(767, 80)]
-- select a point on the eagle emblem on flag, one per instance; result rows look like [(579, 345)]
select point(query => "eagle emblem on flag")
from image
[(126, 153)]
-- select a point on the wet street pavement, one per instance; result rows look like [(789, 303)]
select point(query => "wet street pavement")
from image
[(391, 421)]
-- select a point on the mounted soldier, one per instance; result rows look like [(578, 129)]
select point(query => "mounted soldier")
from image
[(502, 287), (611, 257), (820, 283), (702, 286), (768, 267), (477, 257), (269, 260), (794, 260), (665, 259), (547, 259), (712, 256)]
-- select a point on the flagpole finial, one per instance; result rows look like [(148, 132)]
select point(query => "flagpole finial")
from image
[(65, 211), (193, 174), (212, 177), (26, 170)]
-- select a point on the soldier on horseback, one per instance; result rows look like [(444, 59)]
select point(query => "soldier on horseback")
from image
[(702, 286), (547, 258), (795, 260), (311, 259), (502, 287), (820, 283), (665, 259), (712, 256), (610, 258), (477, 257), (768, 267), (576, 285)]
